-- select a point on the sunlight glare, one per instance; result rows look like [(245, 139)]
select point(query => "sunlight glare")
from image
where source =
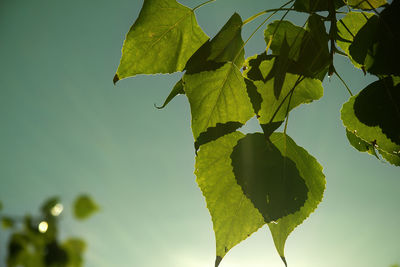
[(43, 226), (57, 209)]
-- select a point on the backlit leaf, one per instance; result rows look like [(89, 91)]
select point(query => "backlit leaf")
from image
[(217, 97), (84, 207), (75, 249), (226, 46), (348, 28), (177, 90), (272, 109), (366, 4), (373, 115), (161, 40), (233, 215), (311, 171)]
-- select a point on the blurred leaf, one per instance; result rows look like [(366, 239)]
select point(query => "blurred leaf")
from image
[(49, 204), (84, 207), (161, 40), (74, 248), (373, 115), (7, 222), (218, 96), (311, 171)]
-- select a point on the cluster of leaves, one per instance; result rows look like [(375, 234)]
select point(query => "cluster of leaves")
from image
[(266, 178), (34, 240)]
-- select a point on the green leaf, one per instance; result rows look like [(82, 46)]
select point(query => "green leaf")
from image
[(373, 115), (274, 110), (306, 48), (233, 215), (281, 64), (376, 44), (311, 171), (74, 248), (285, 30), (161, 40), (239, 177), (366, 4), (271, 181), (84, 207), (7, 222), (177, 90), (310, 6), (217, 97), (348, 28), (1, 205), (360, 144), (226, 46)]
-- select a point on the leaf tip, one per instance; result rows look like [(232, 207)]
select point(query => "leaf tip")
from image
[(159, 107), (284, 260), (218, 261), (116, 78)]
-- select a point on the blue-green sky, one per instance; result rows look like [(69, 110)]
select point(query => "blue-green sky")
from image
[(66, 129)]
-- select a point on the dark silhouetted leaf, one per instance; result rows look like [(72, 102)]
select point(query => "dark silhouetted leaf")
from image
[(84, 207), (271, 181), (348, 28), (161, 40), (281, 65)]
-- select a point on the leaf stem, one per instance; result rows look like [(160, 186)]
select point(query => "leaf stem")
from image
[(265, 12), (344, 83), (205, 3)]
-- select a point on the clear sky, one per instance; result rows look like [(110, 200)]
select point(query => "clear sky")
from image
[(66, 129)]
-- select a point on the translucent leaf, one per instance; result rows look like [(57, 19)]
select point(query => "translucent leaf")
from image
[(373, 115), (217, 97), (307, 48), (360, 144), (376, 44), (271, 181), (285, 30), (234, 216), (311, 171), (241, 178), (177, 90), (366, 4), (84, 207), (348, 27), (272, 109), (226, 46), (161, 40)]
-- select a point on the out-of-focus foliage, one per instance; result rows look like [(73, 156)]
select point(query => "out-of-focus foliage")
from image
[(34, 240)]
